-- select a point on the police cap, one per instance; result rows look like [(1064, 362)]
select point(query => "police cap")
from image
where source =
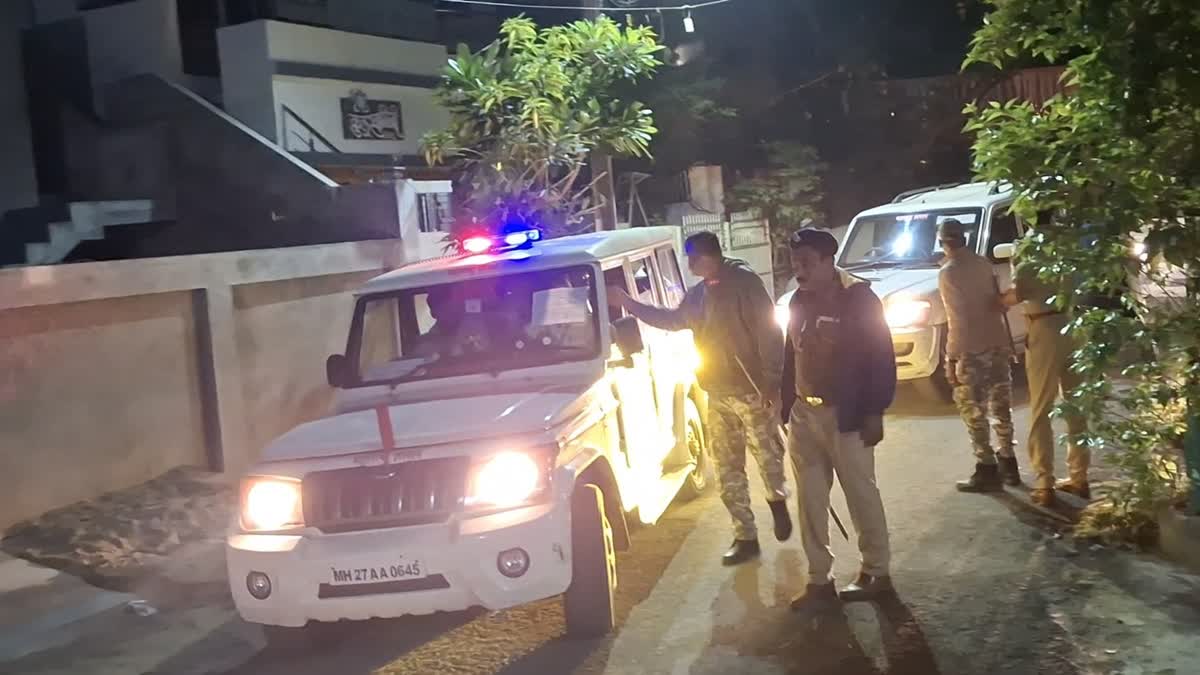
[(821, 241)]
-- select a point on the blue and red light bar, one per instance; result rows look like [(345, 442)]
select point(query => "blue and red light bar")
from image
[(484, 243)]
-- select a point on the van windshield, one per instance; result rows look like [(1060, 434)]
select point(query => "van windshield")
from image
[(476, 326), (904, 239)]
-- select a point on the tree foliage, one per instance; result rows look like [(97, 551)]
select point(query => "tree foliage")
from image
[(697, 123), (526, 111), (1118, 153), (787, 192)]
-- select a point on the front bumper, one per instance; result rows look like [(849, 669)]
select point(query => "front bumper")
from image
[(917, 351), (458, 558)]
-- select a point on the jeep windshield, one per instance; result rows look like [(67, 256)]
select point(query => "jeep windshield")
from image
[(907, 240), (481, 325)]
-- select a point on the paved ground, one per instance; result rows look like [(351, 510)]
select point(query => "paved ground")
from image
[(986, 586)]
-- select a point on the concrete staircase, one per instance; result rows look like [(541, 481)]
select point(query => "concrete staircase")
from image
[(46, 235)]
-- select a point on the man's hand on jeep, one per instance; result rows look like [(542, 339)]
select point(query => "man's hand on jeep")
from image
[(617, 297)]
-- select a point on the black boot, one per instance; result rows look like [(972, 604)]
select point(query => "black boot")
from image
[(985, 479), (741, 551), (866, 587), (817, 598), (1010, 473), (783, 522)]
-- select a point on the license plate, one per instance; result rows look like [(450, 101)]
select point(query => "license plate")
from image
[(398, 571)]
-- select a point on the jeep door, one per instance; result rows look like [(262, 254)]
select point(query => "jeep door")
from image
[(1004, 228), (633, 386)]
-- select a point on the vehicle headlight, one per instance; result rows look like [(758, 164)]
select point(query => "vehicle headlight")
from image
[(783, 315), (271, 504), (906, 312), (508, 479)]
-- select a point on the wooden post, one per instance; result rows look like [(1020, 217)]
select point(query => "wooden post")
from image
[(604, 190)]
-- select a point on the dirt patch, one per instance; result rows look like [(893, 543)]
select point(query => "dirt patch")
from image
[(121, 539)]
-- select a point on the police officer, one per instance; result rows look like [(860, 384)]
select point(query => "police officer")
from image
[(839, 377), (978, 358), (731, 316), (1048, 350)]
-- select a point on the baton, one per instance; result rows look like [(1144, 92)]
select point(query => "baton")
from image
[(784, 444)]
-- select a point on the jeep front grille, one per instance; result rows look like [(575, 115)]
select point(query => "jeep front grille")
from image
[(374, 497)]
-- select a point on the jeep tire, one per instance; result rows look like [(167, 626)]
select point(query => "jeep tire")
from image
[(588, 602)]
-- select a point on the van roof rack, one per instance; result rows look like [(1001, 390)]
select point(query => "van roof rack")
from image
[(933, 188)]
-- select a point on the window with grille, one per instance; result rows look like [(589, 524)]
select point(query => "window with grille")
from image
[(434, 211)]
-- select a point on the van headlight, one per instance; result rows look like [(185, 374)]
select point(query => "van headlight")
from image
[(270, 504), (906, 312), (508, 479)]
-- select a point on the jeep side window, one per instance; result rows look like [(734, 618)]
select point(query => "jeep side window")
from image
[(1004, 230), (615, 277), (668, 266), (643, 280)]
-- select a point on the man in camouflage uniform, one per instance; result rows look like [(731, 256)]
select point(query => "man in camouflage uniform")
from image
[(978, 358), (732, 319)]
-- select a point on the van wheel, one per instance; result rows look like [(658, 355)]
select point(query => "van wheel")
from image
[(698, 480), (588, 602)]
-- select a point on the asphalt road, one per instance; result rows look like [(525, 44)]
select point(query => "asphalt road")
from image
[(986, 585)]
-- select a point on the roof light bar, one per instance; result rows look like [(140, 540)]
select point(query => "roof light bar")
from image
[(479, 243)]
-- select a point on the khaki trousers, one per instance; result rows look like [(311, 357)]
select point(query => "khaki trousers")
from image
[(818, 451), (1048, 369)]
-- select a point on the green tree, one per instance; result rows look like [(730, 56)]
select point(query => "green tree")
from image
[(695, 120), (1119, 154), (787, 193), (526, 111)]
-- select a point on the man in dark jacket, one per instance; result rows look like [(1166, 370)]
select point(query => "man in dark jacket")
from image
[(839, 377), (731, 317)]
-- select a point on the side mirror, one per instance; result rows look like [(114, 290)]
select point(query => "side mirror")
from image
[(628, 336), (1004, 251), (337, 371)]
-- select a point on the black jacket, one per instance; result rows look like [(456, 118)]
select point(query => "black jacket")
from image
[(864, 356)]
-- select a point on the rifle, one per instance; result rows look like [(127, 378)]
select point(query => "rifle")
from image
[(1012, 343)]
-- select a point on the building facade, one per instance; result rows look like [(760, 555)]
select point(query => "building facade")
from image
[(344, 87)]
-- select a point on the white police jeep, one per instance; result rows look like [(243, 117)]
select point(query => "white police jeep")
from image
[(497, 428)]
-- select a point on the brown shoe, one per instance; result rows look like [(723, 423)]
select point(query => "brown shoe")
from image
[(1043, 497), (1081, 490), (866, 587)]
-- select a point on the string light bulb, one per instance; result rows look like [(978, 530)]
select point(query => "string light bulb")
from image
[(689, 25)]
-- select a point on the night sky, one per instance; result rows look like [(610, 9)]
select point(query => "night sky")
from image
[(787, 66), (794, 39)]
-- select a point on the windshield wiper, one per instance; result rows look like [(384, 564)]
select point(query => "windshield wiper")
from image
[(873, 263)]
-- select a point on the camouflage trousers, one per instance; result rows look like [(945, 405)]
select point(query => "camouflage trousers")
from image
[(984, 387), (735, 423)]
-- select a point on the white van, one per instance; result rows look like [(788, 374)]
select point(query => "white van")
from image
[(895, 247), (497, 429)]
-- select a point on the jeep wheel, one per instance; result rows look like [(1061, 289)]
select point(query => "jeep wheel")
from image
[(936, 388), (697, 481), (588, 602)]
